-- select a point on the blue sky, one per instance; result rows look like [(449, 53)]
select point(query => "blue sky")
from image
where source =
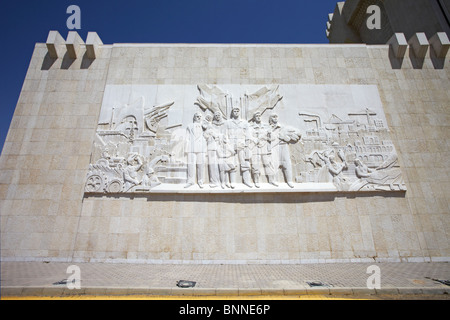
[(24, 23)]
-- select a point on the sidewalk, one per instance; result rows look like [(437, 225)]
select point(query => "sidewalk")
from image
[(39, 278)]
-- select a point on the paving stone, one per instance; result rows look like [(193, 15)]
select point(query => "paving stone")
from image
[(249, 291), (386, 291), (299, 291), (318, 291), (227, 291), (204, 292), (33, 278)]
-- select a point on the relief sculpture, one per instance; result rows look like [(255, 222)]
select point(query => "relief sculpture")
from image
[(233, 138)]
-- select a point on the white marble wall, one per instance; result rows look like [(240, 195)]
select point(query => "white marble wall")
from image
[(142, 132), (46, 215)]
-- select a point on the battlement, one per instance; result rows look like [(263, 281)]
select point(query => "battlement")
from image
[(73, 45), (349, 21)]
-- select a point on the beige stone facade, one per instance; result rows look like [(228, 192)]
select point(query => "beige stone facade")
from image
[(45, 214)]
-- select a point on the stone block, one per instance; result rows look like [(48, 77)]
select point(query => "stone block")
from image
[(341, 291), (204, 292), (295, 291), (73, 44), (32, 291), (95, 291), (73, 292), (117, 291), (410, 290), (436, 290), (363, 291), (11, 291), (93, 44), (55, 44), (182, 291), (272, 291), (320, 291), (419, 43), (250, 292), (440, 44), (227, 291), (398, 44), (386, 290), (159, 291)]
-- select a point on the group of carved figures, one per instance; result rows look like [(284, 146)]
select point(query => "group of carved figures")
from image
[(235, 150), (236, 146), (116, 174), (386, 176)]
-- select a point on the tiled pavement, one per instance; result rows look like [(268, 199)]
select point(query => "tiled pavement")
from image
[(38, 278)]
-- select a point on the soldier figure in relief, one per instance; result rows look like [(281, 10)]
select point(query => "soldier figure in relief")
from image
[(225, 154), (238, 135), (261, 151), (212, 142), (195, 149), (281, 137), (134, 164)]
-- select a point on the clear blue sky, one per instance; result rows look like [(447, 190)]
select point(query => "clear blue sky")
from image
[(23, 23)]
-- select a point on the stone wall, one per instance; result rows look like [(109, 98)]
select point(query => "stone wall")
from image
[(47, 216)]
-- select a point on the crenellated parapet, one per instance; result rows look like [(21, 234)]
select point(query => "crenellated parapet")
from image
[(376, 22), (74, 45)]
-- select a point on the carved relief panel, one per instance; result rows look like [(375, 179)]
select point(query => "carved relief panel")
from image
[(242, 138)]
